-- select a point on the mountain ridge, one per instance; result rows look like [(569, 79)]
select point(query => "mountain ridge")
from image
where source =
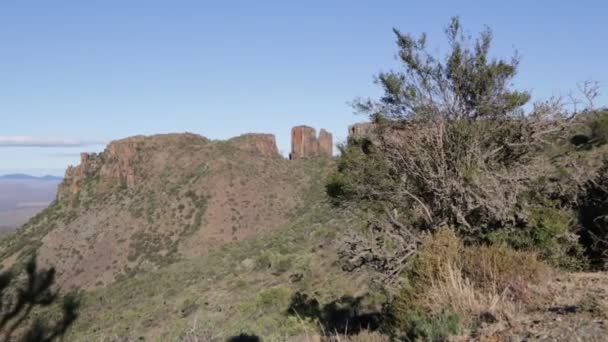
[(147, 201)]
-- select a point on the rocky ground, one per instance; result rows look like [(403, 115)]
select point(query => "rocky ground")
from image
[(572, 307)]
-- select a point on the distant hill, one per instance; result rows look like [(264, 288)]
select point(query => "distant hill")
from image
[(21, 176)]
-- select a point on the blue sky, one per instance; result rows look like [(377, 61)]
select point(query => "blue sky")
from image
[(74, 74)]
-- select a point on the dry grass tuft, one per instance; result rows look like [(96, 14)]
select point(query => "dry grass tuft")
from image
[(452, 292), (472, 282)]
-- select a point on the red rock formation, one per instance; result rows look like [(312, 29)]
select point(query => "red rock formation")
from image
[(305, 144), (75, 175), (124, 162), (261, 144), (326, 143), (114, 166), (122, 155)]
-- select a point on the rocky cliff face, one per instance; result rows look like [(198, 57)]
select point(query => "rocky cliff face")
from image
[(326, 143), (305, 144), (113, 166), (263, 145), (121, 164)]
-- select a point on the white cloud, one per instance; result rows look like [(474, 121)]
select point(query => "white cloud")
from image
[(25, 141)]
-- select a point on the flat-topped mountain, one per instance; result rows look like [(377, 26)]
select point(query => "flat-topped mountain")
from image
[(147, 201)]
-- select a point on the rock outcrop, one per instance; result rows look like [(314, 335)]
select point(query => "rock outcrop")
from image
[(116, 165), (326, 143), (121, 162), (306, 144), (75, 176), (264, 145), (361, 130)]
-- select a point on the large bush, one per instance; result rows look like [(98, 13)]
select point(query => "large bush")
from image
[(453, 146)]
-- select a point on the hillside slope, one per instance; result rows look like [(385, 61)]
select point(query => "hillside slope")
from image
[(245, 287), (146, 202)]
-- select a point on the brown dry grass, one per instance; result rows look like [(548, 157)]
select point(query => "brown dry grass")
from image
[(471, 281)]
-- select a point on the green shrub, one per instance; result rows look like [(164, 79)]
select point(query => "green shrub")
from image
[(282, 264), (551, 233), (599, 128), (359, 164), (422, 328), (273, 299), (593, 215), (263, 262)]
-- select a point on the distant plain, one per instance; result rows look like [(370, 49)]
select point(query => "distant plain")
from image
[(22, 197)]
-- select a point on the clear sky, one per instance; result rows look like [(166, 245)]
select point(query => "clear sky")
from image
[(76, 74)]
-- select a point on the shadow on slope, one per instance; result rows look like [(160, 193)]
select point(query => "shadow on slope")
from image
[(345, 315), (244, 338)]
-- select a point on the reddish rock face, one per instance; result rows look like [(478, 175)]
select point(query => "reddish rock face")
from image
[(260, 144), (326, 143), (304, 143), (122, 162), (75, 175), (123, 153), (115, 167)]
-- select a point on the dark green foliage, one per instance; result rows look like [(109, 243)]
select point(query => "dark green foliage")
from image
[(421, 328), (359, 164), (550, 232), (593, 215), (591, 130), (153, 247), (199, 203), (599, 128), (21, 294), (468, 83)]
